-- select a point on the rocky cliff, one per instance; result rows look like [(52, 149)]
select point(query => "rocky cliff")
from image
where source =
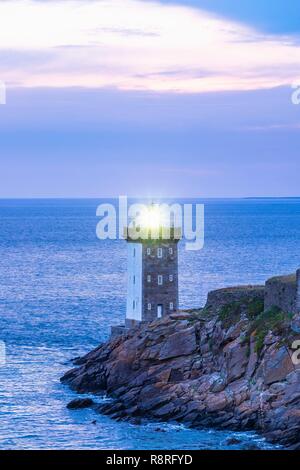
[(228, 365)]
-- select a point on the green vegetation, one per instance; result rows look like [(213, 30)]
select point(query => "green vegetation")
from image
[(231, 313), (260, 322), (255, 308), (270, 320)]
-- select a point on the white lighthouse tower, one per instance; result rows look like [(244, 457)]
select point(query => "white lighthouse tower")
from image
[(152, 290), (152, 285)]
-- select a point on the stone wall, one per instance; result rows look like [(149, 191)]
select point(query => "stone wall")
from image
[(282, 292), (165, 266), (118, 330), (217, 299)]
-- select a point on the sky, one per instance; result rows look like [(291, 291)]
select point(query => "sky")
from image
[(179, 98)]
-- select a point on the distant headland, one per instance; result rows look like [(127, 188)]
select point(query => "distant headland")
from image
[(272, 197)]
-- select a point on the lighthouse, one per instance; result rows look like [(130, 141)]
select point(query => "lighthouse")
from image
[(152, 272)]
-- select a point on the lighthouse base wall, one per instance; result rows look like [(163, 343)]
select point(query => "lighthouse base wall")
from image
[(118, 330)]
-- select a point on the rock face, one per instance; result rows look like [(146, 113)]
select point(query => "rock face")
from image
[(80, 403), (227, 366)]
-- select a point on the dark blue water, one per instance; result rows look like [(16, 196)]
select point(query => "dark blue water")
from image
[(61, 289)]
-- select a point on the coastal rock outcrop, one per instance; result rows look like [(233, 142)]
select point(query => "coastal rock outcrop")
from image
[(80, 403), (229, 365)]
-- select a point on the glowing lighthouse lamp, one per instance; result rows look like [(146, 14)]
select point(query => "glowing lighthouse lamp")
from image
[(152, 266)]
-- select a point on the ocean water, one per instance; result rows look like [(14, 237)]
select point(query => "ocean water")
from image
[(61, 289)]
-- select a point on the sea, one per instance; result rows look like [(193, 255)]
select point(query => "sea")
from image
[(61, 288)]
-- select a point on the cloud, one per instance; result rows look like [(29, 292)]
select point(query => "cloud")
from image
[(127, 32), (137, 45)]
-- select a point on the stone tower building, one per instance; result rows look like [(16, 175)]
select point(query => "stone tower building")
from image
[(152, 277)]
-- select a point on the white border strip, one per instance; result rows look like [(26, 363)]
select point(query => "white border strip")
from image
[(2, 93)]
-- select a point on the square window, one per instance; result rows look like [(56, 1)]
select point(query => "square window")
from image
[(160, 280)]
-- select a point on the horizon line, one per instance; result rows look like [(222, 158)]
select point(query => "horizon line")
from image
[(41, 198)]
